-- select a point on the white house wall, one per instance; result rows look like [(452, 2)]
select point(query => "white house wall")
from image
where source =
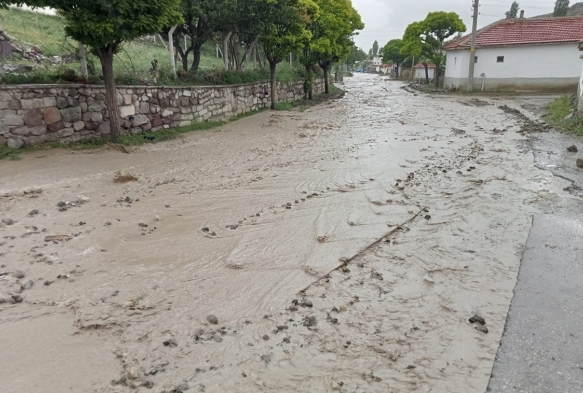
[(528, 67), (420, 73)]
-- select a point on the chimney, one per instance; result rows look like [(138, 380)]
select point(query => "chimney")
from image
[(507, 14), (521, 14)]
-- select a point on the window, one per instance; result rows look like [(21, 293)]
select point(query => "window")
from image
[(500, 59), (455, 61), (475, 59)]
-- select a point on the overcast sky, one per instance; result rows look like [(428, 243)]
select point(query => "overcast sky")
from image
[(388, 19)]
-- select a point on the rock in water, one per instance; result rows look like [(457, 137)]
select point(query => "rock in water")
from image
[(124, 177), (579, 162), (478, 319), (8, 221), (572, 149), (482, 329), (212, 319)]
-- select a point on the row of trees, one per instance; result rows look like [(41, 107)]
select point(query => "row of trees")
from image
[(561, 8), (321, 30), (423, 40)]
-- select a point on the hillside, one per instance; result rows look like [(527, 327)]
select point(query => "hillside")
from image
[(133, 62)]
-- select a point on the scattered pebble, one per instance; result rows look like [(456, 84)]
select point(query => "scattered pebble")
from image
[(266, 337), (572, 149), (27, 285), (170, 343), (483, 329), (579, 162), (205, 229), (33, 213), (212, 319)]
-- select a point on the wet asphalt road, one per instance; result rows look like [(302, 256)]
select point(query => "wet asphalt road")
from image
[(542, 347)]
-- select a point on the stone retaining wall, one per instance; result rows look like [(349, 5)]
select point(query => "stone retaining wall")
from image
[(32, 114)]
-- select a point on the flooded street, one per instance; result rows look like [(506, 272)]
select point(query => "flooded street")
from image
[(342, 248)]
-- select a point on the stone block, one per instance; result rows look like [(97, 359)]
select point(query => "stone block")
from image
[(93, 116), (78, 125), (21, 131), (84, 107), (96, 106), (3, 105), (100, 96), (146, 127), (51, 114), (167, 112), (127, 99), (38, 130), (4, 129), (12, 120), (6, 112), (154, 109), (104, 129), (33, 117), (187, 93), (15, 142), (5, 96), (139, 120), (185, 123), (65, 132), (144, 98), (62, 102), (2, 141), (184, 101), (91, 125), (38, 103), (73, 102), (127, 110), (157, 121), (144, 107), (54, 127), (71, 115)]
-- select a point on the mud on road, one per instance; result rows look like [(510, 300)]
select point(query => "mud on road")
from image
[(339, 249)]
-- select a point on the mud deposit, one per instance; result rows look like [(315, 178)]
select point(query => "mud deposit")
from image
[(339, 249)]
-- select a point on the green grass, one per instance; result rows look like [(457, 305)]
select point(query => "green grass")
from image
[(166, 134), (559, 116)]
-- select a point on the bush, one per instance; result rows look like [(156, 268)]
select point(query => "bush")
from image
[(563, 115)]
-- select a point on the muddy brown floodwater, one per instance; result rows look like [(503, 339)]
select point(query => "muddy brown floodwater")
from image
[(343, 248)]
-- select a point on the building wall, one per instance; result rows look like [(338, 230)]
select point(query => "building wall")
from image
[(420, 73), (32, 114), (580, 88), (528, 67)]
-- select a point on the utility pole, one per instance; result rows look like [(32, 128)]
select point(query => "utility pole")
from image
[(473, 47)]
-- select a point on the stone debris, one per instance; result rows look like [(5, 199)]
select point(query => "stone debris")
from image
[(124, 177)]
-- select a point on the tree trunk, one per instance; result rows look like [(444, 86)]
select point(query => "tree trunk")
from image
[(106, 57), (397, 70), (426, 72), (326, 84), (225, 41), (436, 76), (309, 83), (272, 67), (196, 60), (83, 59)]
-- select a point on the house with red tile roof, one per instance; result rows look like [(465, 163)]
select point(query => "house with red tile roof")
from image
[(519, 54)]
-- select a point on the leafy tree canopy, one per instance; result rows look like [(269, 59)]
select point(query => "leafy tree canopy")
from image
[(514, 10), (561, 8)]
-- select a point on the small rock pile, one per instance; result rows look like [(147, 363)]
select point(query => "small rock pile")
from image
[(33, 53)]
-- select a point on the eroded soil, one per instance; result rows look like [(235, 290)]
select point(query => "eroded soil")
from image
[(339, 249)]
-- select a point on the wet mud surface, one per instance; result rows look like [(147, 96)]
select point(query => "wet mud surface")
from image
[(339, 249)]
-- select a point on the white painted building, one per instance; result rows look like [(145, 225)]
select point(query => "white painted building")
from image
[(519, 54), (420, 72), (377, 62)]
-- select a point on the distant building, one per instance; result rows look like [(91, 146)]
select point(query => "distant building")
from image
[(377, 62), (519, 54)]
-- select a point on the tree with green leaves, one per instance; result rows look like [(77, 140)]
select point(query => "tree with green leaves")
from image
[(426, 38), (375, 48), (356, 54), (331, 36), (514, 10), (103, 25), (392, 53), (284, 31), (201, 19), (561, 8)]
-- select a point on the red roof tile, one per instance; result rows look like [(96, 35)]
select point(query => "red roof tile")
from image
[(525, 31)]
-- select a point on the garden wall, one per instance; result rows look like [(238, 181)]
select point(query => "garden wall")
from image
[(32, 114)]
